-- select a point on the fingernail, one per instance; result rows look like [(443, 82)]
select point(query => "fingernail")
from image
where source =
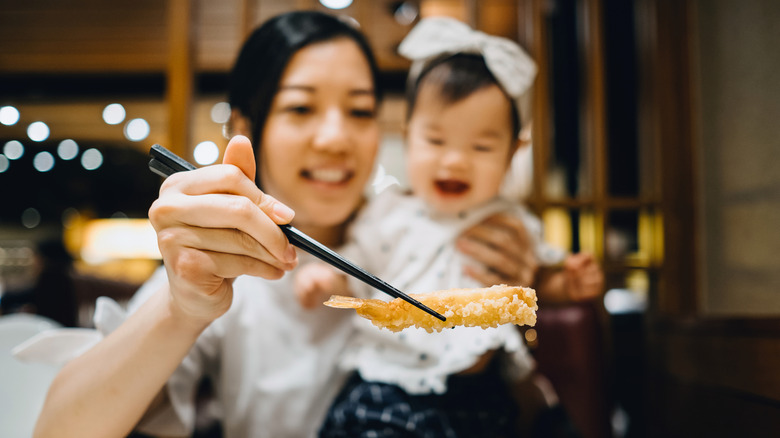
[(283, 212), (290, 255)]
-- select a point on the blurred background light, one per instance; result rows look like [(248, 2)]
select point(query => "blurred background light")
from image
[(38, 131), (114, 114), (137, 129), (91, 159), (69, 216), (206, 152), (110, 239), (68, 149), (405, 13), (220, 112), (13, 150), (43, 161), (31, 218), (4, 163), (9, 115), (336, 4)]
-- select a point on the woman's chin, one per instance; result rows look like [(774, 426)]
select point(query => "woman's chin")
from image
[(327, 215)]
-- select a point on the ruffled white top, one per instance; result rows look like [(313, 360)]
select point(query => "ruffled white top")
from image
[(404, 242)]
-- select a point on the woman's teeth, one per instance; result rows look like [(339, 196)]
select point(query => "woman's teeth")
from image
[(327, 175)]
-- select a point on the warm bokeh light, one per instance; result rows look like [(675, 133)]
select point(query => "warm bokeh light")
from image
[(91, 159), (206, 152), (111, 239), (137, 129), (38, 131), (220, 112), (13, 150), (31, 218), (68, 149), (406, 13), (114, 114), (9, 115), (43, 161), (336, 4)]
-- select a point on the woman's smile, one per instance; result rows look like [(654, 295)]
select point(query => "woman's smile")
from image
[(332, 176)]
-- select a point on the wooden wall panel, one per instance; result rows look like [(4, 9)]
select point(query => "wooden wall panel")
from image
[(82, 36)]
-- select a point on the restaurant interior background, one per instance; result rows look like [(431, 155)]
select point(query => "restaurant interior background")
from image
[(655, 143)]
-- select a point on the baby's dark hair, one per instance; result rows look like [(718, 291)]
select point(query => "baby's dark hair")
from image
[(457, 77)]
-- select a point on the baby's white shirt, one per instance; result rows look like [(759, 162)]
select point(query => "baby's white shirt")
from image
[(404, 242)]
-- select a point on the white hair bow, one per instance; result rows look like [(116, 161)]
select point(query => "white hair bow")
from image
[(510, 65)]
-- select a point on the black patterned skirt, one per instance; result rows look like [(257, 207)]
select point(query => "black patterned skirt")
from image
[(475, 405)]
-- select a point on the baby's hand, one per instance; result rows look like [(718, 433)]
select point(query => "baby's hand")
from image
[(584, 278), (316, 282)]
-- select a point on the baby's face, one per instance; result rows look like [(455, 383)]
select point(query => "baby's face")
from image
[(458, 152)]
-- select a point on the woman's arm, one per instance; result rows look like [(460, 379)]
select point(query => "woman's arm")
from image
[(105, 391), (213, 224)]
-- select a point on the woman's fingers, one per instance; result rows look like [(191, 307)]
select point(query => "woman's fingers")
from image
[(239, 153), (219, 240), (484, 276), (502, 244), (219, 211)]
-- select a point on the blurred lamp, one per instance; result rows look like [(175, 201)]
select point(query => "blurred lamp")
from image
[(38, 131), (113, 239), (206, 153), (9, 115), (336, 4), (114, 114), (137, 129)]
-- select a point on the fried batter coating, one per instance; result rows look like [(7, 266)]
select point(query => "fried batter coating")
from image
[(482, 307)]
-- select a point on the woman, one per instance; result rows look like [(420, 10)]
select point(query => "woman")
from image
[(305, 90)]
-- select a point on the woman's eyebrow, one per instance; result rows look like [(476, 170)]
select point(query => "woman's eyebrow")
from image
[(305, 88)]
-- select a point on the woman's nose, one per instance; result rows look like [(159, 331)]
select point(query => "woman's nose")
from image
[(332, 134)]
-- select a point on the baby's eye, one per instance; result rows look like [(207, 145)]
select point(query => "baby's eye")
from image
[(483, 148), (363, 113), (435, 141)]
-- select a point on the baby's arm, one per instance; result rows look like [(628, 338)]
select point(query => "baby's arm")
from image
[(580, 279), (316, 282)]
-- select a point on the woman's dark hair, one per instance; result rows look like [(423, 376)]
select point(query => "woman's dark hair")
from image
[(457, 77), (255, 77)]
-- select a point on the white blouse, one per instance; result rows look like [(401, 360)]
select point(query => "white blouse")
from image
[(272, 362)]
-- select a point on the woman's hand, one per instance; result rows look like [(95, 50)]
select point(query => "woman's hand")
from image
[(213, 224), (502, 245)]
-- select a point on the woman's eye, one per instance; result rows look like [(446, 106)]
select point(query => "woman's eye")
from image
[(299, 109), (435, 141)]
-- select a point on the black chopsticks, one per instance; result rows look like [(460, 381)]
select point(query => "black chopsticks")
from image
[(165, 163)]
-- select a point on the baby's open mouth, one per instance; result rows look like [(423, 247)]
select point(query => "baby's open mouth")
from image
[(329, 176), (451, 186)]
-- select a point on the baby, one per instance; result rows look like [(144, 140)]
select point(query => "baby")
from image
[(466, 106)]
